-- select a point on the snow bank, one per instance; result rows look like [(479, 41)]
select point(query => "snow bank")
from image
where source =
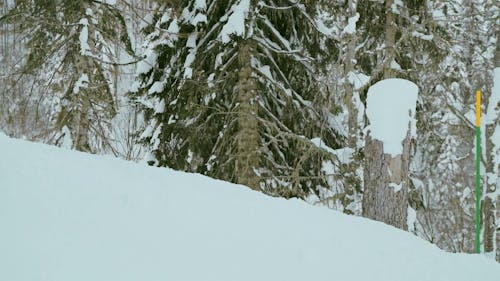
[(71, 216), (390, 107)]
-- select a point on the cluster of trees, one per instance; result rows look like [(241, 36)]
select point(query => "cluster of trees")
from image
[(270, 94)]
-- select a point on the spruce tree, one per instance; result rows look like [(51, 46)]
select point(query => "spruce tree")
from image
[(67, 58), (229, 90)]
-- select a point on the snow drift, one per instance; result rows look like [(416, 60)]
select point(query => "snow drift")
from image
[(68, 216)]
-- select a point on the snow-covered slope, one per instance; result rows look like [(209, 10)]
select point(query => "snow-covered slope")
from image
[(68, 216)]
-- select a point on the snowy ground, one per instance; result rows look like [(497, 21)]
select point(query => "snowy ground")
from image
[(68, 216)]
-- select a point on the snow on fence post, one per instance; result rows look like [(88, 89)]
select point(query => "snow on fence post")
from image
[(390, 109)]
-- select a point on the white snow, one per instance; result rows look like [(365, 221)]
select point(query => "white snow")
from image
[(145, 65), (218, 60), (344, 155), (82, 82), (84, 37), (166, 17), (200, 5), (325, 23), (236, 22), (199, 18), (395, 65), (266, 71), (210, 80), (396, 186), (67, 140), (391, 109), (321, 26), (493, 110), (329, 168), (395, 6), (160, 107), (149, 129), (172, 119), (188, 71), (422, 36), (411, 219), (157, 87), (191, 41), (72, 216), (89, 12), (438, 15), (197, 14), (351, 24), (359, 80), (155, 140), (10, 3), (173, 27)]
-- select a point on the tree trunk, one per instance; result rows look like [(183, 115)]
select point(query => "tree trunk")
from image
[(348, 86), (488, 220), (248, 134), (82, 126), (489, 206), (80, 109), (390, 36), (381, 201), (492, 188), (498, 228)]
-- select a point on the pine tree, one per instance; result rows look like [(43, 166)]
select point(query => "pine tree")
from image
[(229, 91), (67, 45), (380, 201)]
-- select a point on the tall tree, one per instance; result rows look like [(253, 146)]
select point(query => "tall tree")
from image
[(68, 43), (380, 200), (229, 90)]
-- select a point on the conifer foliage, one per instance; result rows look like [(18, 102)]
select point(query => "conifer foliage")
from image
[(229, 90), (68, 52)]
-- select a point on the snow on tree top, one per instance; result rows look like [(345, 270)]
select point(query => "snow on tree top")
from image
[(391, 108), (236, 21)]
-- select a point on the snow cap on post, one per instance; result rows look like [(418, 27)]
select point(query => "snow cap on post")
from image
[(391, 105)]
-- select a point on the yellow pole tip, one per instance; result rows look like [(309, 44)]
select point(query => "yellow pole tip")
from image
[(478, 108)]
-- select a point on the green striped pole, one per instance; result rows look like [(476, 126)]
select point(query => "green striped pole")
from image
[(478, 172)]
